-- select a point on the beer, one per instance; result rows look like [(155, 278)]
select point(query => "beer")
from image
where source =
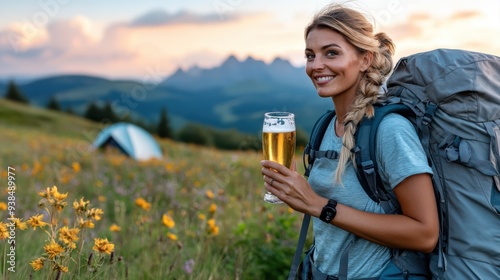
[(278, 142), (279, 146)]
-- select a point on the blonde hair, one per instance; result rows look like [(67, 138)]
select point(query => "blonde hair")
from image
[(358, 31)]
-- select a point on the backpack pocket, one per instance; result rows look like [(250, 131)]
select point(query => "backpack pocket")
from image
[(495, 198)]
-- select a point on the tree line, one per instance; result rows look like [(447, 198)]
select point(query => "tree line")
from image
[(190, 133)]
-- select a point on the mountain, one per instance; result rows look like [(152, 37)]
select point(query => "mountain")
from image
[(233, 71), (233, 95)]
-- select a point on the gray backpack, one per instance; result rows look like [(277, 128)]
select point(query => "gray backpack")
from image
[(455, 96), (453, 99)]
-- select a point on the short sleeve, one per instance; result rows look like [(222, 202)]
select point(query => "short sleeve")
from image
[(399, 151)]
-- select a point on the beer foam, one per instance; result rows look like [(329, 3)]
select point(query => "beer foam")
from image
[(274, 128)]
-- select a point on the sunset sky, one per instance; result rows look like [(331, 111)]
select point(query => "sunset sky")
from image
[(132, 39)]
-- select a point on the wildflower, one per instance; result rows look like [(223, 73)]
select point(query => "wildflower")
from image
[(212, 208), (115, 228), (53, 249), (57, 195), (37, 264), (197, 184), (99, 184), (80, 206), (102, 245), (85, 223), (143, 203), (76, 167), (69, 236), (209, 194), (168, 221), (4, 233), (3, 206), (188, 266), (101, 198), (36, 221), (61, 268), (95, 213), (172, 236), (212, 227), (202, 216), (20, 225), (270, 216)]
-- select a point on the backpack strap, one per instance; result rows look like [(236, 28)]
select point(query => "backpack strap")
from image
[(365, 153), (312, 149)]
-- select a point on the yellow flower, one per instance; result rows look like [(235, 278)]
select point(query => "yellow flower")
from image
[(69, 236), (36, 221), (4, 233), (211, 223), (209, 194), (81, 206), (62, 268), (143, 203), (37, 264), (214, 230), (53, 249), (102, 245), (101, 198), (76, 167), (202, 216), (270, 216), (168, 221), (3, 206), (95, 213), (115, 228), (85, 223), (213, 208), (172, 236), (20, 225)]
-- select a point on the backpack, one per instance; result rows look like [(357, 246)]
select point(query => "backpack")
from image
[(452, 97)]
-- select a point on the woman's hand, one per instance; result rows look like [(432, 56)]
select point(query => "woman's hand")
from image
[(291, 187)]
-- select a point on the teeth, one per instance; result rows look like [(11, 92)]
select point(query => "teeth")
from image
[(324, 79)]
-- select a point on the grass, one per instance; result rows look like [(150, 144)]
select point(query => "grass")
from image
[(222, 229)]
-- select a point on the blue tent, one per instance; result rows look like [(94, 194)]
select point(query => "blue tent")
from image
[(130, 139)]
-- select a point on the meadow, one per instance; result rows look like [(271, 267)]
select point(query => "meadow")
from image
[(81, 213)]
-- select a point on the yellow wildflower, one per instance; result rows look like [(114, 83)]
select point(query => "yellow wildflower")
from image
[(62, 268), (202, 216), (209, 194), (57, 195), (212, 208), (102, 245), (4, 233), (85, 223), (80, 206), (101, 198), (37, 264), (76, 167), (141, 202), (95, 213), (168, 221), (36, 221), (69, 236), (214, 230), (53, 249), (20, 225), (172, 236), (211, 223), (115, 228), (3, 206), (270, 216)]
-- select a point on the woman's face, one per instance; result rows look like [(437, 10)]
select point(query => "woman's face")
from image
[(333, 64)]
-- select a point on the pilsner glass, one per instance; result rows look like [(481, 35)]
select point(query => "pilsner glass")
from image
[(278, 142)]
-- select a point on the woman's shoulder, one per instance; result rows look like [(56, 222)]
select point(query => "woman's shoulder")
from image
[(395, 124)]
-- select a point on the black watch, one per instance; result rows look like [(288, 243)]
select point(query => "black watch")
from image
[(329, 211)]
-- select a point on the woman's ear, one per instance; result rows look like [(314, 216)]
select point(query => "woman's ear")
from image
[(366, 61)]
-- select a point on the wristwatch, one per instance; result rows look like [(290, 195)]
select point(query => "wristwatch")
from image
[(329, 211)]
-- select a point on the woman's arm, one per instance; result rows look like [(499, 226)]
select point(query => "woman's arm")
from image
[(416, 229)]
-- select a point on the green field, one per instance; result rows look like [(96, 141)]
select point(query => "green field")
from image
[(196, 214)]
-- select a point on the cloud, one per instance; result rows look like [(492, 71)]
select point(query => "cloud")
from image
[(161, 17)]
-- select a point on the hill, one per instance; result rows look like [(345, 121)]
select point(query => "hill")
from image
[(234, 95)]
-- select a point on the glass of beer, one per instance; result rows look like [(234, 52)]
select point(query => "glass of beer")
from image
[(278, 142)]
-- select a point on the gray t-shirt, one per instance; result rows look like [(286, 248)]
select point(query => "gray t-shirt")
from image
[(399, 155)]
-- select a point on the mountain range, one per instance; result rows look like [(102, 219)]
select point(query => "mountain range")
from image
[(233, 95)]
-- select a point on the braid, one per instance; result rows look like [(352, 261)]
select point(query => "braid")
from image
[(368, 94)]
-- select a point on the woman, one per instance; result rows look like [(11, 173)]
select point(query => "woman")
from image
[(348, 63)]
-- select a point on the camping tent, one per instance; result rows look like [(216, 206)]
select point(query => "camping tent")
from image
[(130, 139)]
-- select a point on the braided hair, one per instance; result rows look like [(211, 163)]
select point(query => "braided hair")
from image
[(358, 31)]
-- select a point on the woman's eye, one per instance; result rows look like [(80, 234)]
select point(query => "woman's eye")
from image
[(331, 53), (309, 56)]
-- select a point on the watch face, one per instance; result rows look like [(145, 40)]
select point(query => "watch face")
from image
[(329, 215)]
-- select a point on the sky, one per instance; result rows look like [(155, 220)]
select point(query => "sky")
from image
[(119, 39)]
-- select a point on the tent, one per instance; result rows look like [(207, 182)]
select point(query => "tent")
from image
[(130, 139)]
